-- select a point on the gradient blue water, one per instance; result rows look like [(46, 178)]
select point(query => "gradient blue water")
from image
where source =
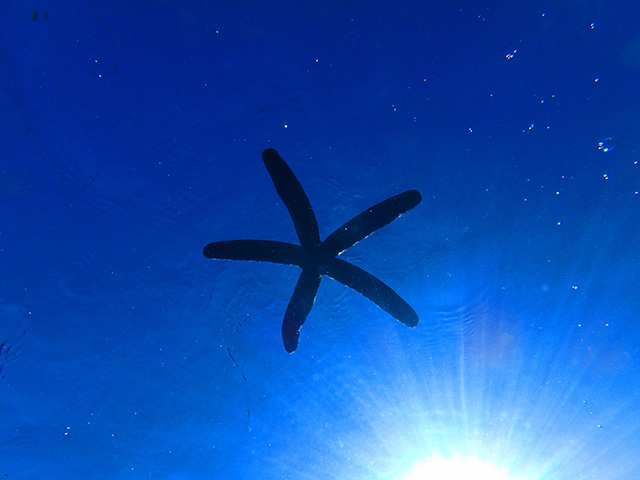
[(131, 137)]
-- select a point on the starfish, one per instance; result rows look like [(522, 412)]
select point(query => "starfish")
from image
[(317, 258)]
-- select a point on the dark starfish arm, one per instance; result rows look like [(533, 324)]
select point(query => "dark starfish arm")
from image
[(372, 288), (369, 221), (256, 250), (293, 196), (299, 307)]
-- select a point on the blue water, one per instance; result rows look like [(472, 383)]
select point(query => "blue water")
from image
[(131, 137)]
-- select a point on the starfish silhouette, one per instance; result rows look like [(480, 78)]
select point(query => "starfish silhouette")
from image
[(318, 258)]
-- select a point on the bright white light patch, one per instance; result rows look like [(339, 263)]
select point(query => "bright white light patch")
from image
[(456, 468)]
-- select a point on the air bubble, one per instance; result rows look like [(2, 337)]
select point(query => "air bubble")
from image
[(606, 145)]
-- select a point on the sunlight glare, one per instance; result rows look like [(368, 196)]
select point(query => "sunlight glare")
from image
[(456, 468)]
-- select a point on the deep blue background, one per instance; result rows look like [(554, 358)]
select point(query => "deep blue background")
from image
[(131, 137)]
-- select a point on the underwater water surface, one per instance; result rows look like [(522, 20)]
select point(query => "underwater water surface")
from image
[(131, 138)]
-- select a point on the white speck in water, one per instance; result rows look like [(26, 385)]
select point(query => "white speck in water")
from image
[(606, 145)]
